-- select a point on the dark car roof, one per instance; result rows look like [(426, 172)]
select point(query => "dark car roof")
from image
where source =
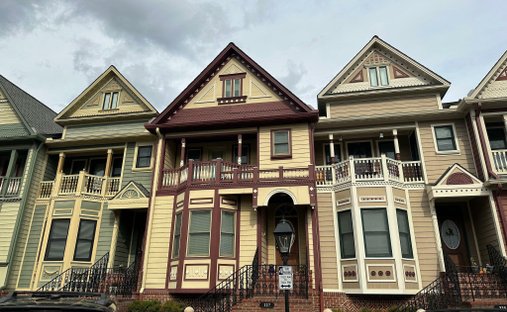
[(33, 301)]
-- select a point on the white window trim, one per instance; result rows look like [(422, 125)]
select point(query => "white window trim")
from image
[(379, 85), (152, 159), (117, 103), (455, 134)]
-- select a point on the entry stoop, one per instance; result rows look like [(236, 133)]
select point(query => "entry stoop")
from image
[(296, 305), (482, 290)]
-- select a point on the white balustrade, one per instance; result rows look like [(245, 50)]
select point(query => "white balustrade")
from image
[(500, 160), (68, 184), (367, 168), (46, 187), (324, 175), (412, 172), (93, 184), (113, 186)]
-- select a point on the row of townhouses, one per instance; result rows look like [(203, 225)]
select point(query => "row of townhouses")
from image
[(390, 191)]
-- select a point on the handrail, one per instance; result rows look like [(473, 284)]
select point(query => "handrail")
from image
[(498, 261), (82, 183)]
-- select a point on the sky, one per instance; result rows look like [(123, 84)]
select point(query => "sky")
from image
[(54, 49)]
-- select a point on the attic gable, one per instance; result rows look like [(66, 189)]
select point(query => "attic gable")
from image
[(224, 93), (379, 66), (111, 94), (494, 84)]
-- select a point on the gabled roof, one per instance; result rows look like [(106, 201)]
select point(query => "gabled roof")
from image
[(100, 79), (35, 116), (295, 106), (493, 73), (377, 43)]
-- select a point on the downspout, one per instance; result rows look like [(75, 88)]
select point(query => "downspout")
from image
[(147, 228), (26, 189)]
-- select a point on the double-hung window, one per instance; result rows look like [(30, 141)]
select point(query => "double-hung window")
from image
[(232, 87), (227, 234), (496, 136), (176, 236), (445, 138), (143, 156), (376, 233), (346, 234), (199, 233), (280, 143), (57, 240), (378, 76), (84, 242), (404, 232), (110, 100)]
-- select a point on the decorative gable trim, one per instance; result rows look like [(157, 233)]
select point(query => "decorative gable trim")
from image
[(370, 53), (457, 182), (398, 73), (105, 78), (229, 52), (131, 196), (496, 73)]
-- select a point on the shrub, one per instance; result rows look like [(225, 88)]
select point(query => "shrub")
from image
[(144, 306), (171, 306), (365, 310)]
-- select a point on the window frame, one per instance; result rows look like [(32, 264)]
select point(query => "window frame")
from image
[(496, 127), (410, 255), (136, 156), (200, 149), (232, 78), (340, 234), (455, 138), (384, 141), (50, 240), (367, 255), (233, 213), (377, 73), (109, 107), (191, 212), (289, 142), (175, 252), (91, 241)]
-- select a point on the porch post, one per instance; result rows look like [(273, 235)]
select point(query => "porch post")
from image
[(10, 171), (109, 162), (240, 143), (61, 160), (182, 154), (436, 229), (332, 152), (396, 145)]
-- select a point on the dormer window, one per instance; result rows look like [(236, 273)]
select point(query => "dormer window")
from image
[(232, 89), (378, 76), (110, 101)]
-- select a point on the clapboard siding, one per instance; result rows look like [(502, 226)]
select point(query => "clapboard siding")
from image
[(141, 177), (327, 241), (247, 232), (484, 224), (123, 240), (300, 139), (424, 236), (384, 107), (436, 164), (8, 115), (106, 232), (105, 130)]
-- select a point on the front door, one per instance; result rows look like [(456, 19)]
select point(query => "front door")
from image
[(453, 235)]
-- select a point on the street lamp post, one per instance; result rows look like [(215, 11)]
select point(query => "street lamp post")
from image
[(284, 239)]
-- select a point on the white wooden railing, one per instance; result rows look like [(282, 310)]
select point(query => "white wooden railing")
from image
[(369, 169), (500, 160), (77, 184), (10, 187)]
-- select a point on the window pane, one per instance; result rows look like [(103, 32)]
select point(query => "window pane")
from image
[(443, 132), (56, 249), (176, 237), (387, 148), (200, 221), (227, 88), (107, 98), (376, 233), (446, 145), (143, 157), (57, 239), (194, 154), (445, 138), (198, 244), (237, 87), (281, 149), (114, 100), (83, 250), (281, 137), (117, 166), (383, 76), (346, 234), (86, 230), (228, 222), (373, 77), (281, 142), (227, 245), (84, 242), (144, 151), (496, 138), (404, 231)]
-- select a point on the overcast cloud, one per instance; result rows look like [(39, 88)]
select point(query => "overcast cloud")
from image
[(54, 49)]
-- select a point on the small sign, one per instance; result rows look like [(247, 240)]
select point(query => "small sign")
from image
[(267, 305), (285, 277), (501, 307)]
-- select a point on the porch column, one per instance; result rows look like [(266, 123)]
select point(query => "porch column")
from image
[(436, 229), (396, 145), (10, 171), (109, 162), (332, 153), (240, 143), (182, 154), (61, 160)]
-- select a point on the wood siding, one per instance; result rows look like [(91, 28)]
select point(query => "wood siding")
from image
[(105, 130), (7, 114), (384, 107), (327, 241), (247, 231), (300, 139), (425, 236), (139, 176), (436, 164), (106, 232), (484, 225), (158, 249)]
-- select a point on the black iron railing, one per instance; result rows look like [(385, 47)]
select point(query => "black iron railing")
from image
[(498, 262), (247, 282)]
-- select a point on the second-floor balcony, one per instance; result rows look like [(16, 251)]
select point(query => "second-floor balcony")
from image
[(10, 187), (80, 184), (218, 172), (369, 170)]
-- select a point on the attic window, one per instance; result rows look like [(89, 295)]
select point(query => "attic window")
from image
[(110, 101), (378, 76), (232, 88)]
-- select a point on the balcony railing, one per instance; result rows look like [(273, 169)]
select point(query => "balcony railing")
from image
[(500, 160), (10, 187), (226, 173), (369, 169), (77, 184)]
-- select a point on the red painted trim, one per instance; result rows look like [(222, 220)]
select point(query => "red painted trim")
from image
[(232, 76), (185, 215), (216, 218), (171, 238), (475, 150), (161, 163), (237, 236), (503, 218), (281, 156), (491, 173)]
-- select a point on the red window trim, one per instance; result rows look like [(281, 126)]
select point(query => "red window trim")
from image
[(232, 77), (283, 156)]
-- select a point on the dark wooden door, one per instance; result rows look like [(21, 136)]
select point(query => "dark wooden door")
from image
[(294, 252), (453, 235)]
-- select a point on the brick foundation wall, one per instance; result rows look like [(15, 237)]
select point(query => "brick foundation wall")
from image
[(353, 303)]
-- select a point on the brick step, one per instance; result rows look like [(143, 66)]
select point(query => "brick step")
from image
[(476, 286), (296, 305), (485, 303)]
